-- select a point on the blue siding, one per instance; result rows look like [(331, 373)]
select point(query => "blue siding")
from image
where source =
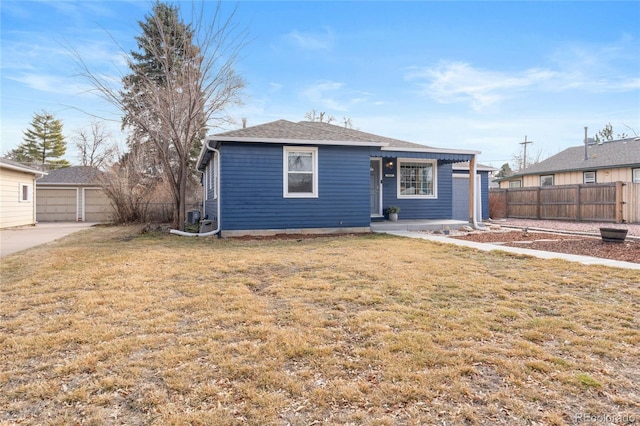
[(252, 189), (430, 208)]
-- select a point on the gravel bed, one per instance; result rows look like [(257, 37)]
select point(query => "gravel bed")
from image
[(571, 237), (633, 229)]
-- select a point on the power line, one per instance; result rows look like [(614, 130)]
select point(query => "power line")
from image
[(524, 157)]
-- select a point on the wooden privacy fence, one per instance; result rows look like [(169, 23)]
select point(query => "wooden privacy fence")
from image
[(604, 202)]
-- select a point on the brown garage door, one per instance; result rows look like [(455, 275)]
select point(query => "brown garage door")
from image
[(56, 205), (97, 207)]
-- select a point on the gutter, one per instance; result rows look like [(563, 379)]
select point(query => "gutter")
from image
[(217, 172)]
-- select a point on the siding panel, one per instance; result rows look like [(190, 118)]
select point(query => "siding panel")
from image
[(13, 212), (252, 189), (431, 208)]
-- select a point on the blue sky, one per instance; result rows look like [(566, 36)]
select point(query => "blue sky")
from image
[(466, 75)]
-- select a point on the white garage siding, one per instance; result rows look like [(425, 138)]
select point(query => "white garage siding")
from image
[(57, 205), (97, 207)]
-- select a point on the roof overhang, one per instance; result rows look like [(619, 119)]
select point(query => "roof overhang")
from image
[(433, 150), (294, 141), (23, 169)]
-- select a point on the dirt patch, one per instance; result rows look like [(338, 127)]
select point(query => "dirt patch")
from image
[(627, 251)]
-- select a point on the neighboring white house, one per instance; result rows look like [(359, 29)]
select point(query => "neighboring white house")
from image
[(604, 162), (17, 195)]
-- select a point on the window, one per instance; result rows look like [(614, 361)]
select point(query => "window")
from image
[(417, 179), (205, 181), (546, 180), (515, 184), (300, 172), (212, 176), (26, 193), (589, 177), (636, 175)]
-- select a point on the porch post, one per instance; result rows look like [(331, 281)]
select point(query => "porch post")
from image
[(472, 189)]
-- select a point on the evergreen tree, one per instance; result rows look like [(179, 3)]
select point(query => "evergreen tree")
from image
[(505, 171), (182, 79), (43, 143)]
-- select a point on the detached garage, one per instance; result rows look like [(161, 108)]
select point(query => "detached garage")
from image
[(72, 194)]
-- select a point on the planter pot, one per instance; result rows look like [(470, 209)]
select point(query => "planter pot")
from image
[(393, 217), (613, 235)]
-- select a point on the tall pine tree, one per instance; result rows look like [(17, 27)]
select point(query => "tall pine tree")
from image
[(43, 143), (182, 79)]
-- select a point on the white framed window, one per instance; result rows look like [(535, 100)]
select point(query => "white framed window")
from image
[(417, 178), (212, 176), (546, 180), (636, 175), (205, 182), (26, 193), (300, 172), (589, 177), (515, 184)]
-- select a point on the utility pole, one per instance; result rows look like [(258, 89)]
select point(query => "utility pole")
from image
[(524, 157)]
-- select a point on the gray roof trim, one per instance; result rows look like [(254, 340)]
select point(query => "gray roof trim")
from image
[(434, 150), (293, 141)]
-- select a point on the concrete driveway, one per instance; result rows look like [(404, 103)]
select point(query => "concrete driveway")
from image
[(17, 239)]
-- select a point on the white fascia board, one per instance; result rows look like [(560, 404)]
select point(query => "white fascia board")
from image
[(433, 150), (478, 168), (295, 141)]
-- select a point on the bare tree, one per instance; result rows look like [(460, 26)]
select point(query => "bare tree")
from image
[(95, 146), (128, 188), (191, 84), (518, 160), (319, 116)]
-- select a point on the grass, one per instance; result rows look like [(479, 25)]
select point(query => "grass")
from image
[(109, 326)]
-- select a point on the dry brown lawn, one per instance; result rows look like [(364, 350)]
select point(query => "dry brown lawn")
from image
[(109, 326)]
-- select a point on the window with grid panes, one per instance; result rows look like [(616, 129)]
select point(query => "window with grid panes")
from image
[(417, 179)]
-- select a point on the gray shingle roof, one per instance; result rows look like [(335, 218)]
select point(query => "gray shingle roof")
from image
[(613, 154), (76, 175), (313, 131)]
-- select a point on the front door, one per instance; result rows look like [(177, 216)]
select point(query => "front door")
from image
[(375, 190)]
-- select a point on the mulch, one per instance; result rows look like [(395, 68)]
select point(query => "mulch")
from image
[(627, 251)]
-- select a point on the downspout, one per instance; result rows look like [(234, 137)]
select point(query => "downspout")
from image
[(217, 172)]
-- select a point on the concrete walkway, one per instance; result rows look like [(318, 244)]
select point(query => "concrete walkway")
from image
[(13, 240), (586, 260)]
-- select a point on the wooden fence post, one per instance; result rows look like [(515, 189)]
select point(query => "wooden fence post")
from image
[(538, 202), (619, 202)]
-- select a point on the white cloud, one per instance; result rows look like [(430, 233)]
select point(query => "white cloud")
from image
[(310, 40), (46, 83), (336, 97), (587, 68), (323, 94), (453, 82)]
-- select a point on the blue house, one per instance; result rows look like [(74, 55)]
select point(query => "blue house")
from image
[(312, 177)]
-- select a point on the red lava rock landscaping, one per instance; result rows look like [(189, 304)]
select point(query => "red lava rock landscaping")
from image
[(628, 251)]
